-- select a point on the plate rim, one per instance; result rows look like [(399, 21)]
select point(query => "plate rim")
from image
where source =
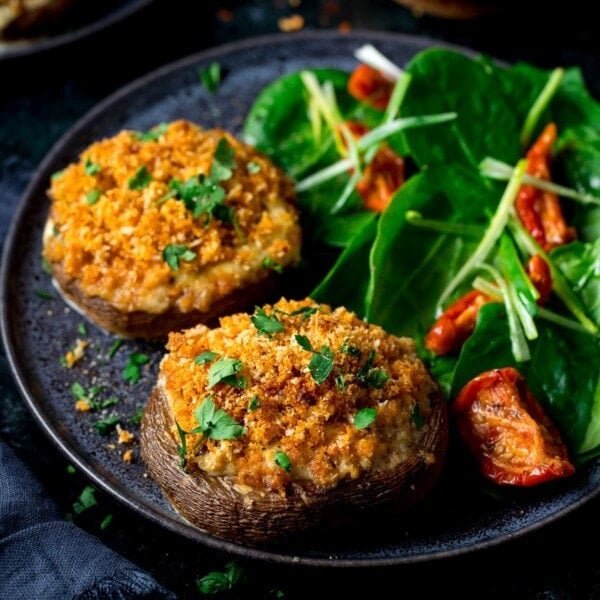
[(34, 406), (24, 47)]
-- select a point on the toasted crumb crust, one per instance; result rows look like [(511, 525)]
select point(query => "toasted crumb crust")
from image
[(112, 247), (284, 409)]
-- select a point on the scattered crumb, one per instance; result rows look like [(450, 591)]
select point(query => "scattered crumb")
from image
[(291, 23), (76, 353), (128, 456), (82, 406), (125, 437), (225, 15), (344, 27)]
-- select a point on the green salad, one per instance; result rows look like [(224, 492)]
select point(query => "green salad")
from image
[(462, 126)]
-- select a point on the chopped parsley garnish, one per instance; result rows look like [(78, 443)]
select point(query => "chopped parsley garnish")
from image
[(82, 329), (254, 403), (43, 295), (205, 357), (152, 135), (253, 168), (375, 378), (305, 311), (105, 426), (91, 396), (226, 370), (340, 382), (182, 447), (56, 175), (351, 350), (365, 417), (140, 180), (173, 253), (93, 196), (210, 77), (114, 347), (417, 416), (91, 168), (321, 362), (86, 500), (215, 424), (266, 324), (46, 266), (136, 418), (269, 263), (71, 469), (132, 371), (282, 460), (106, 522), (304, 342), (217, 582), (204, 195)]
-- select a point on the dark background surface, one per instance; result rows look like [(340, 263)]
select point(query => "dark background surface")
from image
[(43, 94)]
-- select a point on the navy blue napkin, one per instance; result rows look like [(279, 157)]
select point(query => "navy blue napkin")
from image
[(43, 556)]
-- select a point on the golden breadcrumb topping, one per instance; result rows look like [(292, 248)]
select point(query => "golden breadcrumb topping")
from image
[(297, 401), (115, 212)]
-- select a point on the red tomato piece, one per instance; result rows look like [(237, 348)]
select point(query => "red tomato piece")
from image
[(508, 432), (370, 85), (540, 275), (540, 211), (456, 323)]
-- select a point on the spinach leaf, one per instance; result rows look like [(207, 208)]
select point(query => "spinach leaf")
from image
[(580, 263), (410, 266), (346, 283), (487, 125), (278, 122)]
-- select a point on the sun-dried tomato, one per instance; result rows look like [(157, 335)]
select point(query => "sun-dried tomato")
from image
[(508, 431), (370, 85), (382, 177), (539, 210), (456, 323), (541, 277)]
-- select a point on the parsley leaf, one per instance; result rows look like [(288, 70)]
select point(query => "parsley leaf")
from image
[(57, 175), (132, 371), (204, 195), (365, 417), (105, 426), (106, 522), (216, 424), (266, 324), (351, 350), (93, 196), (91, 396), (217, 582), (417, 416), (173, 253), (86, 499), (282, 460), (321, 364), (375, 378), (140, 180), (182, 447), (210, 77), (152, 135), (46, 266), (205, 357), (269, 263), (91, 168), (114, 347), (254, 403), (43, 295), (225, 371), (136, 418), (304, 342), (305, 311), (252, 167)]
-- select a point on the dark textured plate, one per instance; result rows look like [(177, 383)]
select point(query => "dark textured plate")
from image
[(77, 24), (460, 516)]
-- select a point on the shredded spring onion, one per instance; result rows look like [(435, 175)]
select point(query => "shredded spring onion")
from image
[(369, 55), (496, 169)]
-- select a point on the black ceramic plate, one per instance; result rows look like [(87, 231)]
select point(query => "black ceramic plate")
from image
[(82, 21), (460, 516)]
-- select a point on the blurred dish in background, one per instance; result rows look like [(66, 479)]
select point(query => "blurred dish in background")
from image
[(451, 9), (30, 26)]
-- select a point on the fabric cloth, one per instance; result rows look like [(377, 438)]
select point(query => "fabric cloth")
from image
[(43, 556)]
